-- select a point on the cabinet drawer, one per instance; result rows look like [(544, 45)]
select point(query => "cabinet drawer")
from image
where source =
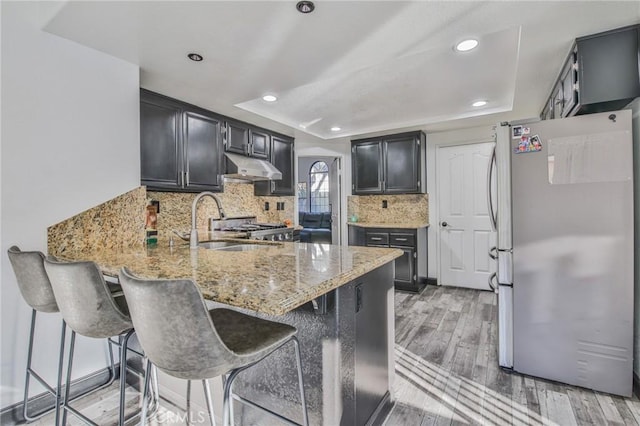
[(408, 240), (377, 238)]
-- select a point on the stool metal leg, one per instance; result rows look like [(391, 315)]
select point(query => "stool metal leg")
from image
[(59, 381), (123, 374), (226, 401), (188, 402), (207, 394), (229, 395), (65, 406), (30, 373), (145, 389), (303, 401)]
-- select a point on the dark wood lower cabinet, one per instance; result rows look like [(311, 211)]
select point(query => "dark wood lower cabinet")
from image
[(411, 267)]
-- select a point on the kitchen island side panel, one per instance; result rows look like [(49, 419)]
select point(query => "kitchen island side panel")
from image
[(346, 359)]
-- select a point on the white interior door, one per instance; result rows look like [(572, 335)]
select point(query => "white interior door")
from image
[(464, 230)]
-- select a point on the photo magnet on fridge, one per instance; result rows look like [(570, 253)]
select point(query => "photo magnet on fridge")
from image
[(528, 144), (516, 132)]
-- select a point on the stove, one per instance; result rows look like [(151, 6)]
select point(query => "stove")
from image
[(251, 229)]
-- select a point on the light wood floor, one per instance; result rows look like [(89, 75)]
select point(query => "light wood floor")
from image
[(447, 374), (447, 371)]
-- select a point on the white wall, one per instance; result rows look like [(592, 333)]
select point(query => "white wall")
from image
[(435, 140), (70, 140)]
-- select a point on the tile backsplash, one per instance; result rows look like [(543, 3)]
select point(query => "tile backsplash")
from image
[(116, 223), (410, 208), (237, 200)]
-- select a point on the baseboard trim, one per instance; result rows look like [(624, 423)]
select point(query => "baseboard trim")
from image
[(636, 384), (12, 414), (382, 411), (431, 281)]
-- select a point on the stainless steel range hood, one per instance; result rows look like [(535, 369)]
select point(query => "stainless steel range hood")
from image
[(246, 168)]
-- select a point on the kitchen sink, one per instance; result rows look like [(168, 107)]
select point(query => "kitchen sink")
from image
[(232, 246)]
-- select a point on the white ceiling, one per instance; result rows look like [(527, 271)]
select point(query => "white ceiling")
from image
[(365, 66)]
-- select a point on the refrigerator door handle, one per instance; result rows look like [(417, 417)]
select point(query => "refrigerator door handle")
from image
[(493, 253), (492, 214), (491, 285)]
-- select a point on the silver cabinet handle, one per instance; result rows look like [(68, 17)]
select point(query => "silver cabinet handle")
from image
[(401, 239), (491, 277), (493, 253), (376, 239), (187, 174)]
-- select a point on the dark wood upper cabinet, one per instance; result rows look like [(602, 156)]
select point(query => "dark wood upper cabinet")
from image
[(160, 142), (259, 142), (366, 164), (601, 73), (401, 164), (203, 148), (282, 157), (237, 137), (391, 164), (180, 145)]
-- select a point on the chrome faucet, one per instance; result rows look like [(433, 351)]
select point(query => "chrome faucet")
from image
[(193, 238)]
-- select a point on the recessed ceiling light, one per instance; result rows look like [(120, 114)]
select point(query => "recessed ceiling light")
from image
[(305, 6), (269, 98), (479, 103), (195, 57), (466, 45), (335, 129)]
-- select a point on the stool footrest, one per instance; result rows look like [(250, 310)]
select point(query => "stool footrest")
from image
[(264, 409)]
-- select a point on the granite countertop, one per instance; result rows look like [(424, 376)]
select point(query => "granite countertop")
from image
[(273, 280), (401, 225)]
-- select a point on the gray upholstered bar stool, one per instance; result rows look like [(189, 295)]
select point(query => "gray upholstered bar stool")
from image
[(90, 309), (35, 288), (186, 340)]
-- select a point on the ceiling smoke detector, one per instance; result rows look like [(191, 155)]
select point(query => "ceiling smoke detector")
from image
[(195, 57), (305, 6)]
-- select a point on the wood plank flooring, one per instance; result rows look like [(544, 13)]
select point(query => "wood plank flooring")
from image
[(447, 371), (447, 374)]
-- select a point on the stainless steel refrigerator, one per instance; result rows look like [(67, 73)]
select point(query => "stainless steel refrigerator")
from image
[(563, 209)]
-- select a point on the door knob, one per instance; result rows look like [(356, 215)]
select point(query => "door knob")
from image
[(444, 224)]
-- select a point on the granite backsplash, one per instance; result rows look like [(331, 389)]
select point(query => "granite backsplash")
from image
[(116, 223), (237, 200), (410, 208), (120, 222)]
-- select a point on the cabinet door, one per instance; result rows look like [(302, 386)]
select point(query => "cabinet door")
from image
[(203, 152), (569, 92), (366, 160), (405, 266), (237, 138), (558, 100), (401, 165), (282, 157), (259, 144), (160, 143)]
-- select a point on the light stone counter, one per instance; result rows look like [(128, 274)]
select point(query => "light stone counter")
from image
[(397, 225), (272, 280)]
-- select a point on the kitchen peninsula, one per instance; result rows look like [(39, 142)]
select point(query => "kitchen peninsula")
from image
[(339, 298)]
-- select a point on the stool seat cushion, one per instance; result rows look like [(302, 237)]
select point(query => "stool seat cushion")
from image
[(246, 335)]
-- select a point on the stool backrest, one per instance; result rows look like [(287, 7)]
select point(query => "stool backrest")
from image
[(85, 299), (33, 280), (174, 327)]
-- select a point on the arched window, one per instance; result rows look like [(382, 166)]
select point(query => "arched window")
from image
[(319, 187)]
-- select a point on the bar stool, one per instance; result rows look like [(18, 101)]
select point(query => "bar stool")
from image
[(34, 285), (184, 339), (90, 309)]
